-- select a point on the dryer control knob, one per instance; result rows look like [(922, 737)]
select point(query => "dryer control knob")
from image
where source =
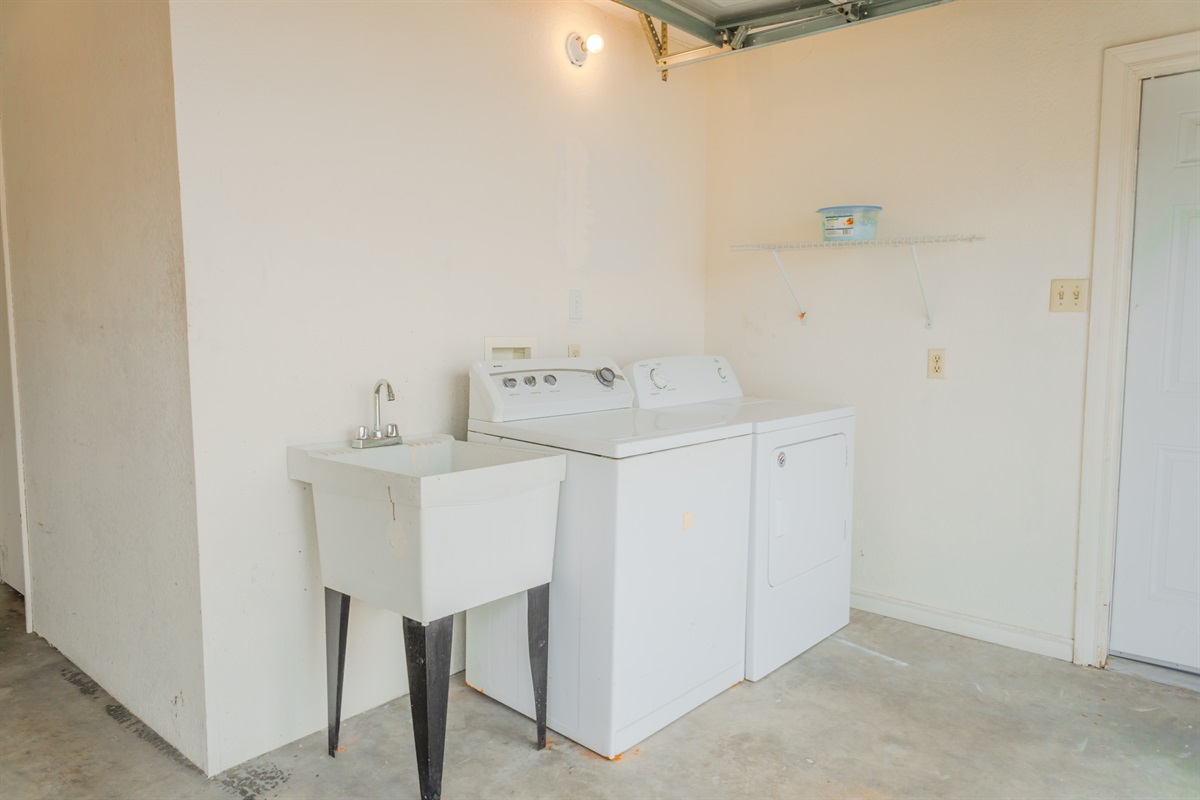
[(550, 380), (530, 380), (721, 373), (657, 379), (510, 383), (606, 376)]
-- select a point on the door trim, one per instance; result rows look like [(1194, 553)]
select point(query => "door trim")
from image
[(16, 393), (1104, 391)]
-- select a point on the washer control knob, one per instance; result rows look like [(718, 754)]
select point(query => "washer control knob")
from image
[(656, 377), (606, 376), (510, 383), (549, 380), (721, 373), (530, 380)]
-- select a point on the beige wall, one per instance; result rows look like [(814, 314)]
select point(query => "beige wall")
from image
[(370, 189), (974, 117), (97, 280)]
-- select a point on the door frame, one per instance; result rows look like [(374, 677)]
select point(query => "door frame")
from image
[(1104, 391), (6, 277)]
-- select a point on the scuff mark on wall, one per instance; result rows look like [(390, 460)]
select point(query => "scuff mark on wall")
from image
[(132, 723), (81, 681), (123, 716)]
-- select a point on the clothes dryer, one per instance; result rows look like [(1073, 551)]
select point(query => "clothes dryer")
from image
[(648, 596), (802, 501)]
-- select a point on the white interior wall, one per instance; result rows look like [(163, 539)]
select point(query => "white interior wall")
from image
[(370, 189), (97, 279), (974, 117)]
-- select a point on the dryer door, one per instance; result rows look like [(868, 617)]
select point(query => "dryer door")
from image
[(807, 501)]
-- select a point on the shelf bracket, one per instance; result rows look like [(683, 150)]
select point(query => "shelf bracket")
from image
[(912, 248), (778, 263), (658, 42), (910, 242)]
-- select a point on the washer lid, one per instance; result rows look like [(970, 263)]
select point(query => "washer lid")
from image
[(623, 432)]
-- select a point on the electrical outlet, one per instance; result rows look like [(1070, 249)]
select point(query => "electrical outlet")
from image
[(1069, 294), (575, 306), (574, 351), (935, 365)]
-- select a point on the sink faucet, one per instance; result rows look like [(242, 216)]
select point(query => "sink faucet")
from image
[(379, 384), (378, 437)]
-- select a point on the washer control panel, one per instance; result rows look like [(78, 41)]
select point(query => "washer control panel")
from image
[(505, 391), (679, 380)]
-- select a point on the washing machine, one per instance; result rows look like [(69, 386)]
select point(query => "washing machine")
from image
[(798, 586), (648, 595)]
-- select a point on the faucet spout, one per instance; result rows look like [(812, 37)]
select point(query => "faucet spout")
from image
[(378, 437), (379, 384)]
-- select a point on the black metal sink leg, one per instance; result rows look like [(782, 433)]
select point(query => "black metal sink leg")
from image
[(427, 650), (337, 618), (539, 635)]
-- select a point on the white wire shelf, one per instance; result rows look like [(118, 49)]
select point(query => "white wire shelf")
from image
[(895, 241), (910, 242)]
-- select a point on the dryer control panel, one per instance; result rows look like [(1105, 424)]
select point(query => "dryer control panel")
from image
[(531, 388), (679, 380)]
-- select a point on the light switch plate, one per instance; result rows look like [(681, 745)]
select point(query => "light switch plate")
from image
[(1069, 294)]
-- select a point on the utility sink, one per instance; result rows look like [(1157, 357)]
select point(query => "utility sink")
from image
[(434, 526)]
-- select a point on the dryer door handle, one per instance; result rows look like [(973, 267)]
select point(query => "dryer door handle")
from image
[(778, 519)]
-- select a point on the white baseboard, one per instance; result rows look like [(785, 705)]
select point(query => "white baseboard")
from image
[(986, 630)]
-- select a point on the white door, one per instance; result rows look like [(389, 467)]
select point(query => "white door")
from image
[(807, 498), (1156, 584)]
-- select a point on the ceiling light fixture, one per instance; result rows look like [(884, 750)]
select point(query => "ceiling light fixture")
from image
[(578, 48)]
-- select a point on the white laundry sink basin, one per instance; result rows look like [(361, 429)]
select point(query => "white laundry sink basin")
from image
[(432, 527)]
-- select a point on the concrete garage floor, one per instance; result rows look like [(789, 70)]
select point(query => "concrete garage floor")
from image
[(883, 709)]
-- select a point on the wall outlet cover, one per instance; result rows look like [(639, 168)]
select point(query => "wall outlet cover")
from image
[(935, 363)]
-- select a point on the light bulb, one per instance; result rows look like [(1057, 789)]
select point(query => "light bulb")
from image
[(578, 47)]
